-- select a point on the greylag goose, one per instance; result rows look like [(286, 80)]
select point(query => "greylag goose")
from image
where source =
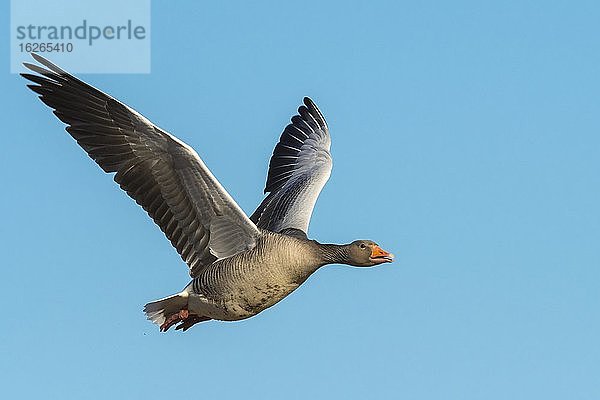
[(239, 265)]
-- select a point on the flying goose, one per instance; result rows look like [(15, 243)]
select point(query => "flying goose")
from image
[(239, 266)]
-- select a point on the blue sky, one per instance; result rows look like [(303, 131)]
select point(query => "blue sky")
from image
[(465, 140)]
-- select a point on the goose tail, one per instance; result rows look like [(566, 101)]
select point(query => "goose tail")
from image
[(159, 311)]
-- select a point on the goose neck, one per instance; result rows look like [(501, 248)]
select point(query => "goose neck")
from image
[(334, 253)]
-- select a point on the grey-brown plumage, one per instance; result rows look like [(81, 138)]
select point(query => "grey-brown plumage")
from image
[(239, 265)]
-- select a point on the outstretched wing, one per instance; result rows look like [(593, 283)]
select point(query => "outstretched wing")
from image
[(161, 173), (298, 170)]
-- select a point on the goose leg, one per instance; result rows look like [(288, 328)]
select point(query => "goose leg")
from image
[(192, 320), (175, 318)]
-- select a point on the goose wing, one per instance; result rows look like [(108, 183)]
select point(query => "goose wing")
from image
[(161, 173), (298, 170)]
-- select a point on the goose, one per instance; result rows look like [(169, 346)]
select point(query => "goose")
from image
[(239, 265)]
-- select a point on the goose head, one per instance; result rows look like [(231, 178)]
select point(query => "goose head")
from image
[(366, 253)]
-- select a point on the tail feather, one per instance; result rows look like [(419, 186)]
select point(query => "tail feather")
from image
[(158, 311)]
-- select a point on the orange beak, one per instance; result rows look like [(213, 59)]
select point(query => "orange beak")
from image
[(379, 254)]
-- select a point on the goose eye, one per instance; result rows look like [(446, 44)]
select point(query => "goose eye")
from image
[(362, 246)]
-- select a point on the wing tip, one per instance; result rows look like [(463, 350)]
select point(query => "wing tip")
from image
[(52, 68), (314, 110), (37, 57), (308, 101)]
